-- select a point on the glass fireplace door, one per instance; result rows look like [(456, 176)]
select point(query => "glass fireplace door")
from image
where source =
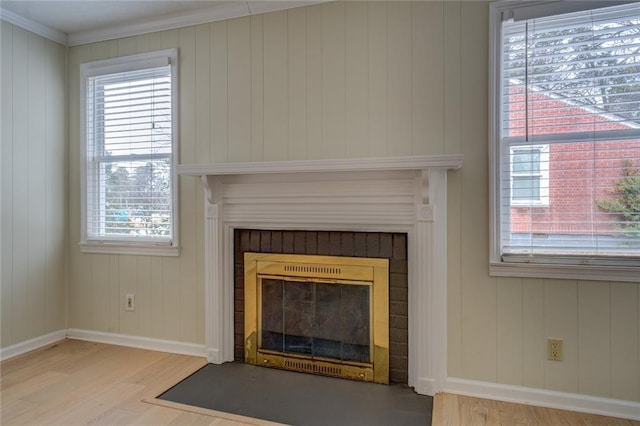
[(316, 319)]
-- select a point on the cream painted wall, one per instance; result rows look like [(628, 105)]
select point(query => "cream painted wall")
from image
[(343, 80), (34, 204)]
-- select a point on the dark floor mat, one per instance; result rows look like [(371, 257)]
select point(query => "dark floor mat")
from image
[(300, 399)]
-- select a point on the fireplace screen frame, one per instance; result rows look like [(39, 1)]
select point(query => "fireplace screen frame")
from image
[(372, 272)]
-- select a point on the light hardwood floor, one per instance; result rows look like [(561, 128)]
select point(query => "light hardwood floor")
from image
[(76, 382)]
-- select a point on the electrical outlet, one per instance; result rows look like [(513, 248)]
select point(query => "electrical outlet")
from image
[(554, 349), (130, 302)]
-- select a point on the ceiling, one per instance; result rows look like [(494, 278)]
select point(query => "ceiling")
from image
[(74, 22)]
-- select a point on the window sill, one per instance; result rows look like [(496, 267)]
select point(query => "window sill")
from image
[(133, 249), (569, 272)]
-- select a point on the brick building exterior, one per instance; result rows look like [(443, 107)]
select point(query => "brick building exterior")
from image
[(578, 174)]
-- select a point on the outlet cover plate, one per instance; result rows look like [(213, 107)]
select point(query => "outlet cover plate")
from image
[(554, 349)]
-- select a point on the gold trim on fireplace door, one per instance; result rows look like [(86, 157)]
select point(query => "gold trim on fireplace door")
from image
[(324, 269)]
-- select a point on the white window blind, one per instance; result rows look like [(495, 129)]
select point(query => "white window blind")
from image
[(129, 140), (569, 137)]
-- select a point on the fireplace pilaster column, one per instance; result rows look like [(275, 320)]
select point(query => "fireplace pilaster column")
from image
[(427, 251), (216, 293)]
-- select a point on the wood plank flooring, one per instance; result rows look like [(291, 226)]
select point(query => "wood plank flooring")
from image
[(84, 383), (452, 410)]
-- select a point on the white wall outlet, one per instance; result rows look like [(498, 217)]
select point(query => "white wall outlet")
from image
[(130, 302)]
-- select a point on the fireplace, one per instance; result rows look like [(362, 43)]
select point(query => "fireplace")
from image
[(325, 315), (395, 194), (391, 247)]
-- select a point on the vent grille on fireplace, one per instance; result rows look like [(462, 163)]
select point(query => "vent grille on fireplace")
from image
[(310, 367), (313, 269)]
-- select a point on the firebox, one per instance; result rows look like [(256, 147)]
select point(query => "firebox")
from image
[(324, 315)]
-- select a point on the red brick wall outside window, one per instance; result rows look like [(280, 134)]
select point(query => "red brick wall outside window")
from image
[(580, 173)]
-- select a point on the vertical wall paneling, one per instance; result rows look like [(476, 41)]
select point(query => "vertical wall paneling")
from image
[(127, 46), (187, 93), (189, 188), (625, 341), (594, 344), (157, 299), (454, 277), (451, 64), (534, 351), (427, 77), (219, 93), (202, 155), (55, 183), (561, 322), (479, 304), (314, 82), (116, 304), (357, 79), (6, 182), (297, 83), (33, 185), (75, 57), (100, 292), (275, 88), (257, 89), (37, 178), (377, 79), (143, 43), (144, 295), (509, 324), (399, 42), (239, 44), (20, 197), (203, 93), (333, 80), (171, 298), (448, 44)]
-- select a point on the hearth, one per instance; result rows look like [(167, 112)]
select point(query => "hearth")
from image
[(325, 315)]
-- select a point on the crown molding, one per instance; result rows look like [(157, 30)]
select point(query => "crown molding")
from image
[(32, 26), (265, 6), (217, 12)]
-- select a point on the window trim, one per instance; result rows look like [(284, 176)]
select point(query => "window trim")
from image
[(554, 266), (120, 64)]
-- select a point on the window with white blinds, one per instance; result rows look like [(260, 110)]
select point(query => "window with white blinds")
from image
[(566, 135), (128, 140)]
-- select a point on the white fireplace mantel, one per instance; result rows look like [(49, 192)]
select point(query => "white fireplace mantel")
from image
[(393, 194)]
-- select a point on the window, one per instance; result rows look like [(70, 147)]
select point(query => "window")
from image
[(565, 139), (530, 175), (128, 136)]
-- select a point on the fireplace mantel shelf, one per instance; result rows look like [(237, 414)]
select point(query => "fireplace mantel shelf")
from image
[(420, 162)]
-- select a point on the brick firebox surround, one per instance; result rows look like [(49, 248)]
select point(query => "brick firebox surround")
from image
[(392, 246)]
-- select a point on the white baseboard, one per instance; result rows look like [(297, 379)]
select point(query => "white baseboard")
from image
[(161, 345), (544, 398), (32, 344)]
